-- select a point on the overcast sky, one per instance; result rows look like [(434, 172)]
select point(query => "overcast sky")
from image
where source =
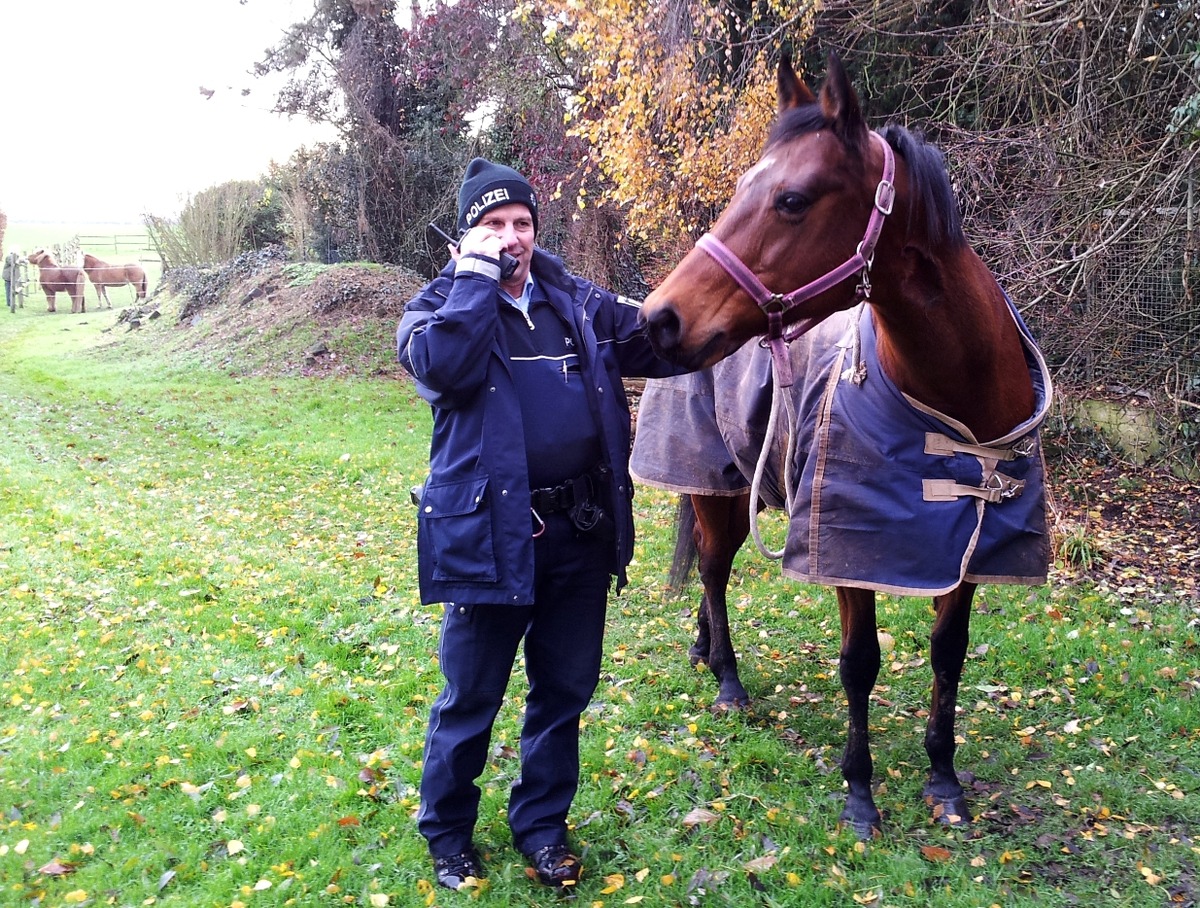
[(105, 120)]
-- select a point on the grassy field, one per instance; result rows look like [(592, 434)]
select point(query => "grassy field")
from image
[(114, 243), (215, 674)]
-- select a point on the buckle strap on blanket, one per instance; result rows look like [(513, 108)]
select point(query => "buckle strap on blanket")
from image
[(945, 446), (997, 488)]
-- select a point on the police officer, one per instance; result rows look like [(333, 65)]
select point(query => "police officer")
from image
[(526, 516)]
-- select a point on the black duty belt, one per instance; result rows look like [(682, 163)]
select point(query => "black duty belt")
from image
[(561, 497)]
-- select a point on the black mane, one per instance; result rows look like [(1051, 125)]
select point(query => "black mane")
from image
[(929, 185)]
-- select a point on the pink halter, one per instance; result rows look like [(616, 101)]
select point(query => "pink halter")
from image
[(775, 305)]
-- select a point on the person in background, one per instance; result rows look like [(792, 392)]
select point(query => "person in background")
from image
[(12, 275), (526, 515)]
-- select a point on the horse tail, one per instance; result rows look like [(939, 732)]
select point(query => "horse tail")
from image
[(686, 552), (140, 284)]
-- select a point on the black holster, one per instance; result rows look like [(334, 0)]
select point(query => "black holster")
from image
[(589, 513)]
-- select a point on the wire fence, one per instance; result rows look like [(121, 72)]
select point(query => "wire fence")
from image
[(135, 245), (1140, 295)]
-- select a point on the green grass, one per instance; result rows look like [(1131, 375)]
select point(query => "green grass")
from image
[(215, 673)]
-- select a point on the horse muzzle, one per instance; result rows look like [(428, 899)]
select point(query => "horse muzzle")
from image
[(672, 341)]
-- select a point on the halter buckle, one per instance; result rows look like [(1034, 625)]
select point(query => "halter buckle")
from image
[(885, 197), (776, 303)]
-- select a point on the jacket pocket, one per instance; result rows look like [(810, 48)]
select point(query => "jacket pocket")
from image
[(459, 525)]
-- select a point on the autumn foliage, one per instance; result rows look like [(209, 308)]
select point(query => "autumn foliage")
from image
[(671, 114)]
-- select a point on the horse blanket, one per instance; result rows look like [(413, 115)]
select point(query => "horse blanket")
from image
[(888, 494)]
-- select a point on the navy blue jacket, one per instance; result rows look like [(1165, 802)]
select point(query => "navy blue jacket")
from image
[(474, 532)]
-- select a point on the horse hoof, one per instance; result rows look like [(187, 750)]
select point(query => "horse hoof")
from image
[(951, 811), (733, 705), (865, 830), (731, 697)]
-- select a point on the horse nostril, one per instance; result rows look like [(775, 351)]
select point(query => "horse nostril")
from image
[(665, 328)]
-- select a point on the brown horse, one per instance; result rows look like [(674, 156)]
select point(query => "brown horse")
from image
[(103, 275), (913, 390), (57, 279)]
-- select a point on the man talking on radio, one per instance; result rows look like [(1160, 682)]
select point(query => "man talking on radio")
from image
[(526, 516)]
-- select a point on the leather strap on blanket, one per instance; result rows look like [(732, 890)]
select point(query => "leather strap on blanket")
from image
[(998, 488), (948, 447)]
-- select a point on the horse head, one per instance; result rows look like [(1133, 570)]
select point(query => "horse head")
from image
[(798, 214)]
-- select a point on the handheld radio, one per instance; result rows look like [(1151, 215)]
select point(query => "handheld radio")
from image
[(508, 264)]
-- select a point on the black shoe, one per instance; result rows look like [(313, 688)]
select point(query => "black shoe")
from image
[(556, 866), (455, 870)]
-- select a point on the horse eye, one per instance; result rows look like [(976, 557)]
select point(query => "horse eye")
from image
[(791, 204)]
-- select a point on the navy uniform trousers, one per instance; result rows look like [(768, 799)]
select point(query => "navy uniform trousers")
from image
[(563, 633)]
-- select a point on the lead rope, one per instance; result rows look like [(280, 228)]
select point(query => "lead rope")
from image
[(779, 393), (781, 390), (775, 305)]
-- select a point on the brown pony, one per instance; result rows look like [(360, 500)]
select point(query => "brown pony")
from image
[(57, 279), (103, 275), (917, 398)]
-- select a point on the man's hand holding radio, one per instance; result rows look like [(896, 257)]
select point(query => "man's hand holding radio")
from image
[(483, 241)]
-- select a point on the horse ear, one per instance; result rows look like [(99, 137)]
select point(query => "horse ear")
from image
[(840, 104), (792, 90)]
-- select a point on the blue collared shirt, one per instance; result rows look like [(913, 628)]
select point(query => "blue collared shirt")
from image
[(521, 302)]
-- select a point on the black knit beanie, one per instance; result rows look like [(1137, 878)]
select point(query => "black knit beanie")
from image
[(488, 185)]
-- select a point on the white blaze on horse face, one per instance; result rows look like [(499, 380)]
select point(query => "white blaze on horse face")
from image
[(747, 198), (749, 176)]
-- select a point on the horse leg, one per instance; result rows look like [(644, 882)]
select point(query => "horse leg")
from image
[(722, 524), (859, 667), (49, 301), (947, 652)]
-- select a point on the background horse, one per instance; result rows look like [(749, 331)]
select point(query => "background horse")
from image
[(56, 279), (103, 275), (913, 390)]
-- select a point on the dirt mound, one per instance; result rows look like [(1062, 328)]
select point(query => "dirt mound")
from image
[(261, 315)]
